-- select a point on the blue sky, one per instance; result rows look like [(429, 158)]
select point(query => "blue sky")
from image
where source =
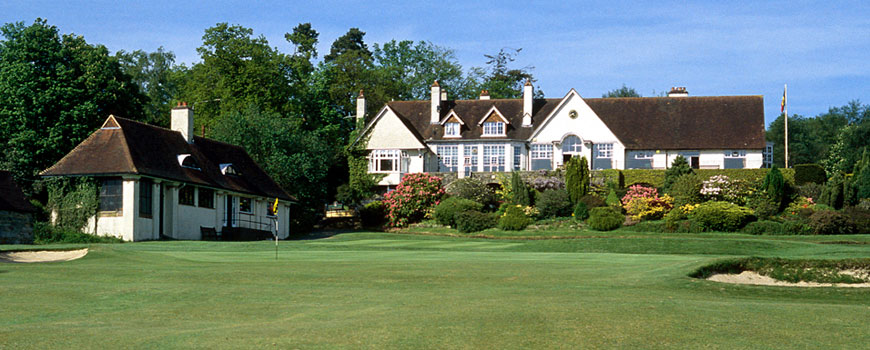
[(820, 49)]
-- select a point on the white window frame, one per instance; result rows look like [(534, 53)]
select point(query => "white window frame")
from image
[(377, 156), (469, 153), (735, 154), (542, 151), (493, 129), (605, 150), (644, 155), (448, 157), (493, 158), (518, 157), (451, 129)]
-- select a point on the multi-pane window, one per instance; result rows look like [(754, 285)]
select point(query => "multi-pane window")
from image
[(186, 195), (644, 155), (493, 129), (146, 198), (572, 144), (206, 198), (518, 157), (245, 205), (448, 157), (451, 129), (541, 156), (384, 161), (605, 150), (111, 195), (493, 157), (735, 154), (470, 155)]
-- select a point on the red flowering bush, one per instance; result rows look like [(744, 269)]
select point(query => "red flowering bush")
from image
[(413, 198)]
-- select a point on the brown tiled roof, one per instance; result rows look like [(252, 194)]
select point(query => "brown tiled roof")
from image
[(142, 149), (416, 114), (718, 122), (11, 197)]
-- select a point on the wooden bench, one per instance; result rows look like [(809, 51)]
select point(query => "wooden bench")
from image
[(208, 233)]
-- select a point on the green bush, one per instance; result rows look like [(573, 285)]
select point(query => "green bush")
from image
[(829, 222), (581, 211), (445, 211), (474, 221), (656, 177), (514, 219), (678, 168), (796, 227), (577, 178), (773, 185), (605, 219), (763, 206), (553, 203), (44, 233), (686, 189), (810, 190), (674, 217), (763, 227), (472, 189), (809, 173), (721, 216), (613, 199), (519, 190), (832, 195), (860, 219), (373, 214), (593, 201)]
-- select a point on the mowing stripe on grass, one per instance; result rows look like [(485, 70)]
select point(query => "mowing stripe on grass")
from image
[(395, 243)]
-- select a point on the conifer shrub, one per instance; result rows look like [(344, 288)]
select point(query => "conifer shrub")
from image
[(514, 219), (809, 173), (373, 214), (581, 211), (612, 199), (686, 189), (832, 194), (721, 216), (605, 219), (829, 222), (773, 185), (554, 203), (474, 221), (519, 190), (678, 168), (446, 211), (577, 178)]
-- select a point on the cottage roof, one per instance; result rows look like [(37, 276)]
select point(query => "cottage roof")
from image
[(124, 146), (11, 197), (714, 122)]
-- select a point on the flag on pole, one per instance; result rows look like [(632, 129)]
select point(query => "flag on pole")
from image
[(275, 207), (782, 106)]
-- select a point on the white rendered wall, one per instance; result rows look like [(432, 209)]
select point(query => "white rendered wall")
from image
[(389, 132)]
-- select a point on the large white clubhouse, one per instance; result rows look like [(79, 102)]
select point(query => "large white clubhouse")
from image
[(493, 135)]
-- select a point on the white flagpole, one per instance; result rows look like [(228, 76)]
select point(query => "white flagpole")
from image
[(785, 109)]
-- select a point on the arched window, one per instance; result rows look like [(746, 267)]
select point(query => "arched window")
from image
[(572, 144)]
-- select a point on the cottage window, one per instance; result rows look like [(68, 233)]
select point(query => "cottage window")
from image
[(206, 198), (451, 130), (186, 195), (605, 150), (518, 157), (493, 157), (145, 198), (644, 155), (470, 162), (111, 195), (542, 156), (384, 161), (735, 154), (493, 129), (245, 205), (448, 157)]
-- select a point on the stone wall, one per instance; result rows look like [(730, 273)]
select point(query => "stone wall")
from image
[(15, 227)]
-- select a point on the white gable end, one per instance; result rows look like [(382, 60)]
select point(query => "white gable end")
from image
[(389, 132), (586, 125)]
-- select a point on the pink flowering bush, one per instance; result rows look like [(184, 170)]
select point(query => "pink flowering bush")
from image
[(644, 203), (415, 196)]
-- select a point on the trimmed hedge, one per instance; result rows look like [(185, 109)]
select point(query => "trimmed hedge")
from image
[(514, 219), (473, 221), (656, 177), (605, 219), (445, 211), (809, 173), (764, 227)]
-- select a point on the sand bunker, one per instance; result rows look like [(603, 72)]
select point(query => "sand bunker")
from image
[(751, 277), (42, 256)]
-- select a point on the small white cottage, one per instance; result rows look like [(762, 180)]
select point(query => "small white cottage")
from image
[(495, 135), (167, 183)]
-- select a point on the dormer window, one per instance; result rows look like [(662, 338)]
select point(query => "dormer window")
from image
[(229, 169), (493, 129), (187, 161), (451, 130)]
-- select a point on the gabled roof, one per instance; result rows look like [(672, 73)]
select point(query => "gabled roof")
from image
[(141, 149), (11, 197), (715, 122)]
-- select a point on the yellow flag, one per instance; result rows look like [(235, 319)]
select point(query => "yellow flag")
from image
[(275, 207)]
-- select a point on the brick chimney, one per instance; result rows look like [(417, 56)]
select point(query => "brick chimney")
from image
[(528, 100), (182, 121), (360, 107), (435, 115), (484, 94), (678, 91)]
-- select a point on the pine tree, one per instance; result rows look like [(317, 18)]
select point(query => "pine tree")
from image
[(577, 178), (678, 168), (774, 185), (519, 189)]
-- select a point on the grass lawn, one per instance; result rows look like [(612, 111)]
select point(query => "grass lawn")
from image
[(377, 290)]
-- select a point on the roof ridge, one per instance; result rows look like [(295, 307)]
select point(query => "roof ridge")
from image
[(126, 146)]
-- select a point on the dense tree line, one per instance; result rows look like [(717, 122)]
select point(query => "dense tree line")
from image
[(290, 111)]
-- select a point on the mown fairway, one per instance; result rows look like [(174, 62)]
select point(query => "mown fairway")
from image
[(374, 290)]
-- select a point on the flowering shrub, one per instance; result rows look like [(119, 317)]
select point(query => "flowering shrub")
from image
[(723, 188), (413, 198), (543, 183), (644, 203), (800, 204)]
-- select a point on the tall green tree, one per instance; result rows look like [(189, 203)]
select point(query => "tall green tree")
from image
[(499, 78), (624, 91), (410, 68), (679, 167), (577, 178), (159, 79), (519, 190), (54, 91)]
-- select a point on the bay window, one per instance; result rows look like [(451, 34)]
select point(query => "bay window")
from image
[(384, 161)]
